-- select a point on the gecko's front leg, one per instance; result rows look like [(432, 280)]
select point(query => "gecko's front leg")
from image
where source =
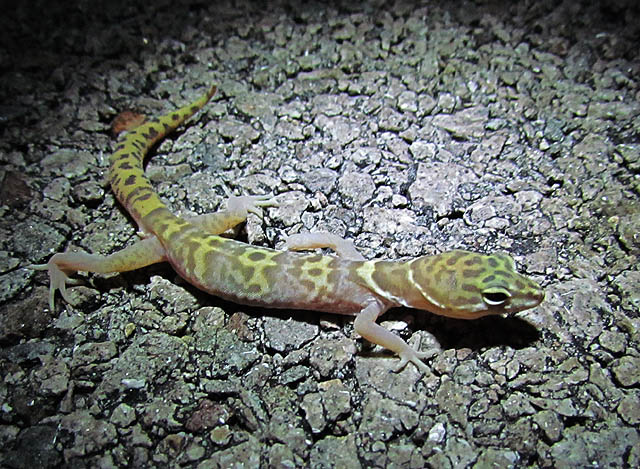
[(365, 325), (238, 208)]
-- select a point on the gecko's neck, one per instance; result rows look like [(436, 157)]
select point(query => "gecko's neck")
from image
[(392, 280)]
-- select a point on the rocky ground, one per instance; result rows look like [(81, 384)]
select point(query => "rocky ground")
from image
[(411, 128)]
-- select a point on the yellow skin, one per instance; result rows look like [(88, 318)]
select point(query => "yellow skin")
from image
[(457, 284)]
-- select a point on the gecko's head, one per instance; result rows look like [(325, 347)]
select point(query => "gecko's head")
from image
[(467, 285)]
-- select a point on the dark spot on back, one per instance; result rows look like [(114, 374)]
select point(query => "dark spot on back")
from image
[(213, 241), (308, 284), (504, 273), (454, 258), (280, 257), (247, 272), (133, 194), (378, 276), (256, 256), (461, 300), (473, 260), (470, 273)]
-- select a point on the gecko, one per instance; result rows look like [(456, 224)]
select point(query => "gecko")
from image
[(457, 284)]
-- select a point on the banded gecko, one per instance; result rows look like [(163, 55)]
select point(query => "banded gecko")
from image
[(457, 284)]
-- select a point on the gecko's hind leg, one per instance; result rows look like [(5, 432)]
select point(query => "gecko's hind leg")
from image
[(307, 241)]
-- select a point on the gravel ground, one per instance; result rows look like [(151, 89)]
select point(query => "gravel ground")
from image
[(410, 128)]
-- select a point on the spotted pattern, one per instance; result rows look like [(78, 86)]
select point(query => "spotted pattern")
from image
[(454, 283)]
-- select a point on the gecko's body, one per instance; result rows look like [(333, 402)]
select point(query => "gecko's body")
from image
[(458, 284)]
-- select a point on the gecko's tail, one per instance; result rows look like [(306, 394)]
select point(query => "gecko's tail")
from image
[(130, 185)]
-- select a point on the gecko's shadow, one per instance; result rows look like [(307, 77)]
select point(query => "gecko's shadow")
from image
[(482, 333)]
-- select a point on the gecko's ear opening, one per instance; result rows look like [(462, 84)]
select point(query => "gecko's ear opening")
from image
[(496, 296)]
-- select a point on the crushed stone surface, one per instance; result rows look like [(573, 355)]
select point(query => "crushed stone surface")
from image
[(409, 127)]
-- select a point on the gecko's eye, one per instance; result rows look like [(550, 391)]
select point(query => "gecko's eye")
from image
[(496, 296)]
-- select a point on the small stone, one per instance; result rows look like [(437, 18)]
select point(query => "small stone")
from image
[(133, 383), (53, 377), (195, 451), (550, 423), (94, 352), (287, 334), (613, 341), (123, 415), (407, 101), (221, 435), (423, 150), (627, 370), (437, 433), (629, 408)]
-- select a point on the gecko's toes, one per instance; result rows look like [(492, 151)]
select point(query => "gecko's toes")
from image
[(400, 366), (264, 200), (259, 201), (416, 358), (58, 281), (251, 203)]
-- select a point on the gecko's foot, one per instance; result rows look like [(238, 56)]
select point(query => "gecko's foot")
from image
[(251, 204), (416, 358), (58, 280)]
